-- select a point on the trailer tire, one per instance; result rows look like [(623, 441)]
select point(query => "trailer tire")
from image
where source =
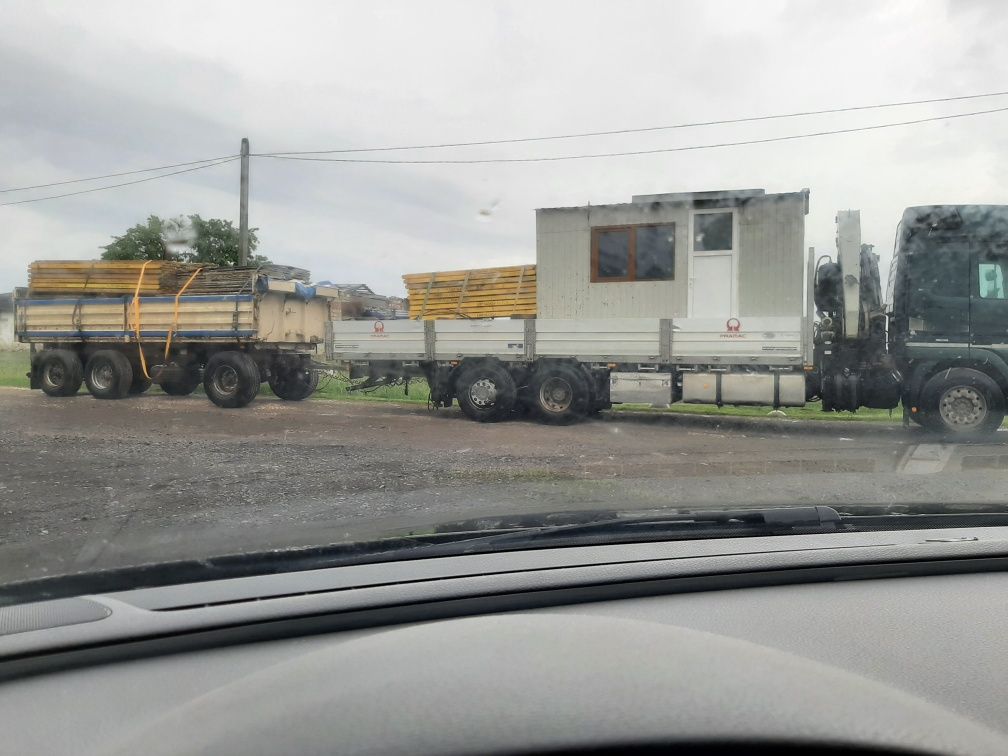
[(183, 386), (60, 372), (559, 393), (486, 392), (231, 379), (962, 403), (108, 374), (139, 385), (293, 384)]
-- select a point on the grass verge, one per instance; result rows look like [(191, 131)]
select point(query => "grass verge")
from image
[(14, 366)]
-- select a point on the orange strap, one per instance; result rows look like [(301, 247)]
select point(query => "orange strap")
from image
[(181, 291), (136, 318)]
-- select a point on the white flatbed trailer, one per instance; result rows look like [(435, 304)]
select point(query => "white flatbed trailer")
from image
[(562, 369)]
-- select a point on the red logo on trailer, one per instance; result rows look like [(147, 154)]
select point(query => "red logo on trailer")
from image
[(733, 329), (379, 328)]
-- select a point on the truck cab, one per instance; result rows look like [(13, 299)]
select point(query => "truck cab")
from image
[(946, 321)]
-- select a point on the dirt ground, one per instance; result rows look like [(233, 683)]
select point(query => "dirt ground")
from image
[(86, 484)]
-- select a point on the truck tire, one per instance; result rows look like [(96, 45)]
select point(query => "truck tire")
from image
[(485, 391), (182, 386), (108, 374), (59, 372), (962, 403), (559, 393), (231, 379), (293, 384)]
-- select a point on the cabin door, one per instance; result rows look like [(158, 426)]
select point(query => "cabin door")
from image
[(713, 264)]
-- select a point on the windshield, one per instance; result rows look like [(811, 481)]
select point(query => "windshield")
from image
[(285, 277)]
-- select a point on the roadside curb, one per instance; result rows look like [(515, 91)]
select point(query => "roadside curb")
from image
[(860, 428)]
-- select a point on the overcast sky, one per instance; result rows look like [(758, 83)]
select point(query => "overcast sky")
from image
[(100, 87)]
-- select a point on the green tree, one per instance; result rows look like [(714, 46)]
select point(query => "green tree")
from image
[(145, 241), (188, 239)]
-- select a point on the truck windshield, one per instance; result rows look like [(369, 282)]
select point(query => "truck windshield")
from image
[(315, 275)]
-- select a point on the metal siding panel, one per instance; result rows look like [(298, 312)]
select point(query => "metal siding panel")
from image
[(563, 260), (605, 338), (763, 340), (461, 338), (771, 270), (360, 339)]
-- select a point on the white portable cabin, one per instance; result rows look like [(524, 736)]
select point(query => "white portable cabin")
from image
[(706, 255)]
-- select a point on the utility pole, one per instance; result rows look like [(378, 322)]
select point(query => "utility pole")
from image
[(243, 231)]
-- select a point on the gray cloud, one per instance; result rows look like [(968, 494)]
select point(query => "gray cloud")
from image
[(90, 89)]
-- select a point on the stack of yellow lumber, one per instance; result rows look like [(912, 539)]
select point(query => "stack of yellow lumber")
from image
[(478, 293), (105, 277)]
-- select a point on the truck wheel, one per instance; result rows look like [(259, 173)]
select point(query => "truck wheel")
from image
[(559, 393), (293, 384), (60, 372), (182, 386), (108, 374), (231, 379), (485, 391), (963, 403)]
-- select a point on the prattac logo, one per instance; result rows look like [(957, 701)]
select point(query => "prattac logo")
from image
[(379, 329), (733, 329)]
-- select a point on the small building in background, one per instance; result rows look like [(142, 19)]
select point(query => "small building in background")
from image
[(720, 254), (7, 340), (358, 300)]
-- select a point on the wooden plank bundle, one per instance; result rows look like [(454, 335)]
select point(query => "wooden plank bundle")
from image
[(213, 280), (105, 277), (478, 293)]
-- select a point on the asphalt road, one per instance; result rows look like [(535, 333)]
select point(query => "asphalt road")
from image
[(86, 484)]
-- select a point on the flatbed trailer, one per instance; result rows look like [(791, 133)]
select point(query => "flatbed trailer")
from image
[(230, 343), (937, 344), (563, 369)]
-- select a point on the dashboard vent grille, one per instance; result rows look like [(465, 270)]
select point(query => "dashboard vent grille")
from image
[(44, 615)]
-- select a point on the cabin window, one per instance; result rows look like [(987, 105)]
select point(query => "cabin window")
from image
[(712, 232), (991, 281), (612, 254), (633, 253)]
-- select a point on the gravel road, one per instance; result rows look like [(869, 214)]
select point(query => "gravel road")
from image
[(87, 484)]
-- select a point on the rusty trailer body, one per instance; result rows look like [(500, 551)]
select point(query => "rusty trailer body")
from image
[(229, 342)]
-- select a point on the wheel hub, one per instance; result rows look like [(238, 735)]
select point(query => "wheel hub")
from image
[(556, 394), (226, 380), (103, 376), (54, 375), (963, 407), (483, 393)]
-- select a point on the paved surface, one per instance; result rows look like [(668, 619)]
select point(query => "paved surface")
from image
[(86, 484)]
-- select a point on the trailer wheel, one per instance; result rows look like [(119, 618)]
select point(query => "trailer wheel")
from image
[(59, 372), (293, 384), (139, 385), (183, 386), (559, 393), (963, 403), (485, 391), (231, 379), (108, 374)]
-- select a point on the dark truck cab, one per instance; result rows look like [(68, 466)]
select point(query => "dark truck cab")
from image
[(940, 347)]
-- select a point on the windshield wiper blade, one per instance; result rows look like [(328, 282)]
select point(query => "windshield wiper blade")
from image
[(703, 523)]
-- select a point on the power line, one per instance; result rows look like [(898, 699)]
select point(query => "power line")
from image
[(553, 158), (747, 119), (116, 186), (112, 175)]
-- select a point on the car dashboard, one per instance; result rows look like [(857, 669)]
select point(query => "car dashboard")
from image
[(846, 642)]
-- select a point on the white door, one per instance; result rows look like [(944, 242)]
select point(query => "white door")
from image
[(712, 286), (713, 255)]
